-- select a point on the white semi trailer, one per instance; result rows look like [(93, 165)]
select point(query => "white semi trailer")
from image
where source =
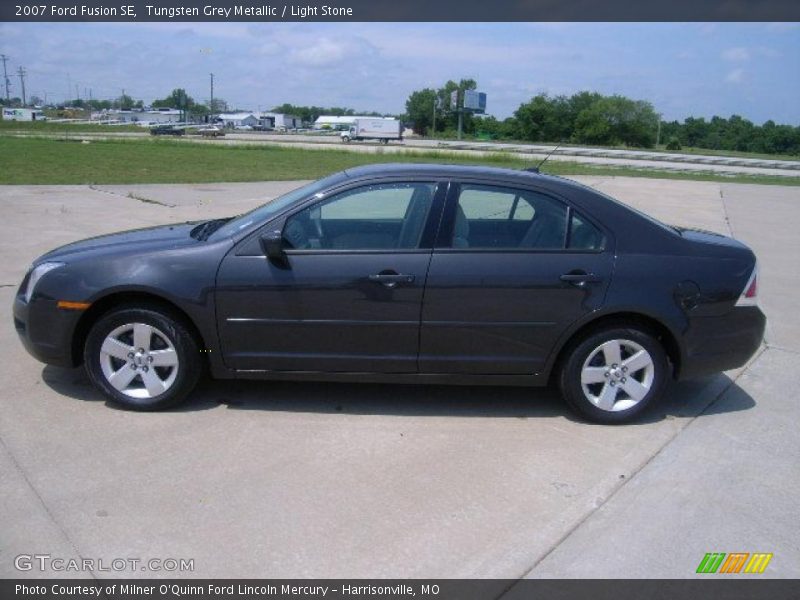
[(382, 130)]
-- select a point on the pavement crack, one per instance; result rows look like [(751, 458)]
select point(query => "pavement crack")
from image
[(725, 211), (47, 510), (766, 345), (131, 196), (630, 478)]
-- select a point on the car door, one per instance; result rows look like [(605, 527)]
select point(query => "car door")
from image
[(346, 294), (512, 269)]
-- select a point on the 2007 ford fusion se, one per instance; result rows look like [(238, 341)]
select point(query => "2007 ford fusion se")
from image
[(403, 273)]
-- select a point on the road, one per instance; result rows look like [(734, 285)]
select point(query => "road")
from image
[(324, 480)]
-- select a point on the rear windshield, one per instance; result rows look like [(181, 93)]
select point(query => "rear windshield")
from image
[(651, 219)]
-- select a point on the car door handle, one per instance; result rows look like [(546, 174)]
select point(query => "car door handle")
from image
[(580, 278), (391, 280)]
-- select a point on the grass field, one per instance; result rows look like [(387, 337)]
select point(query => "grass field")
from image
[(67, 161)]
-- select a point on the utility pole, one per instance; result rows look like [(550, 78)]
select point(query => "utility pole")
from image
[(21, 72), (433, 129), (211, 103), (658, 132), (4, 58)]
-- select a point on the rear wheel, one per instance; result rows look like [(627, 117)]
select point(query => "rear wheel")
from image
[(143, 359), (613, 374)]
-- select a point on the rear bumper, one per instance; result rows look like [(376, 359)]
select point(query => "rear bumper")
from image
[(45, 330), (714, 344)]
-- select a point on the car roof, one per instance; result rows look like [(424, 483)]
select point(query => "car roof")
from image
[(506, 175)]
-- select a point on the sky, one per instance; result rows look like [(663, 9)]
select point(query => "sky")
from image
[(684, 69)]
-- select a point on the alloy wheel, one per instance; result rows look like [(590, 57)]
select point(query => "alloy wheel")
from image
[(139, 360), (617, 375)]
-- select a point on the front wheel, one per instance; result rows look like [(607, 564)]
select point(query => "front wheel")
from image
[(142, 359), (614, 374), (346, 139)]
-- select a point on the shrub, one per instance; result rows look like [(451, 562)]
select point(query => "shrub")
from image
[(673, 144)]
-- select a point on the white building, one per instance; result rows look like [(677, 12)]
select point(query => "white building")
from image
[(23, 114), (144, 117), (240, 119), (279, 121)]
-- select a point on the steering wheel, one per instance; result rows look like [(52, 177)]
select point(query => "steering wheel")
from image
[(295, 234), (318, 226)]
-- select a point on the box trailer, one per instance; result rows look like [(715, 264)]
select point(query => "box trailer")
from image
[(382, 130), (23, 114)]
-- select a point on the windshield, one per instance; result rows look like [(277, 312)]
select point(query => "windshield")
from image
[(270, 209)]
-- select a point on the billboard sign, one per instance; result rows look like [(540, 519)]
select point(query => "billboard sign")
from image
[(454, 100), (474, 101)]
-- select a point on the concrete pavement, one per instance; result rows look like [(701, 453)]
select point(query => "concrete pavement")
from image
[(299, 480)]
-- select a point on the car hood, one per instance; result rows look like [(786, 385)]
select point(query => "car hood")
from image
[(134, 241)]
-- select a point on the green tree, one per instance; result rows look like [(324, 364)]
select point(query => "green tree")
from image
[(615, 120), (217, 106), (450, 113), (420, 107), (125, 102), (178, 98), (421, 104)]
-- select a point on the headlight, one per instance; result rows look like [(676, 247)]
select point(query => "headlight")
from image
[(37, 273)]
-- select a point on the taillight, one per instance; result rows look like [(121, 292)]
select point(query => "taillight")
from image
[(749, 296)]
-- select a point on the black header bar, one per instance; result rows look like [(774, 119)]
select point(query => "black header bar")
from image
[(399, 10)]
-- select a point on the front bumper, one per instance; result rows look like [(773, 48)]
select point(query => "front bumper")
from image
[(718, 343), (46, 331)]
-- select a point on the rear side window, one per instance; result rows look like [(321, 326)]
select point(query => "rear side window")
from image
[(497, 217), (585, 236)]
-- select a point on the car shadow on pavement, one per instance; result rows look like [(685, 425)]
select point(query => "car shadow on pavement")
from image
[(681, 400)]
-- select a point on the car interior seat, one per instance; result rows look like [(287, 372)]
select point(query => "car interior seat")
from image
[(461, 229), (546, 231)]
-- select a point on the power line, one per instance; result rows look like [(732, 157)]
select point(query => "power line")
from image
[(4, 58)]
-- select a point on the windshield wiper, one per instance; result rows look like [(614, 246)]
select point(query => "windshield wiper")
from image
[(204, 230)]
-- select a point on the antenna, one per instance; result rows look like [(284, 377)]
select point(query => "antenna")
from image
[(544, 160)]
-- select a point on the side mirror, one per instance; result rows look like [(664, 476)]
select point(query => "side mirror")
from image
[(272, 244)]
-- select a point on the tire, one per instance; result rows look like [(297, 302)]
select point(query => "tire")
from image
[(346, 140), (114, 347), (614, 373)]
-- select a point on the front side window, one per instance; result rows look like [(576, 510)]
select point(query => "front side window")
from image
[(497, 217), (375, 217)]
